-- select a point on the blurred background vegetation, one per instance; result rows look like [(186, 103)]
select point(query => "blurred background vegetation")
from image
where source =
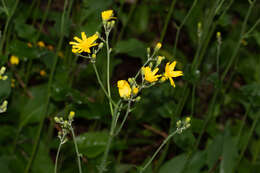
[(220, 93)]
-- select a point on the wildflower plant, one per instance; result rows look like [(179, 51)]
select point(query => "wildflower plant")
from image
[(129, 89)]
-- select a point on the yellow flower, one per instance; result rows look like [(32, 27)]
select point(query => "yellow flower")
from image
[(135, 90), (85, 44), (150, 75), (14, 60), (42, 72), (41, 44), (170, 73), (107, 15), (124, 88)]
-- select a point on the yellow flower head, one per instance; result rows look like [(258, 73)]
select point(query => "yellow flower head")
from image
[(14, 60), (41, 44), (107, 15), (170, 73), (135, 90), (85, 44), (124, 88), (42, 72), (149, 75)]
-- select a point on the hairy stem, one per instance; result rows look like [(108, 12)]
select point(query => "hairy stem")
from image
[(76, 149)]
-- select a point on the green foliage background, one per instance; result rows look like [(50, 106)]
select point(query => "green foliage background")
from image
[(225, 127)]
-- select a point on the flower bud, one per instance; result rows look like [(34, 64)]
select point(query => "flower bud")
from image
[(187, 120), (158, 46), (178, 124), (94, 56), (148, 51), (71, 115), (219, 37), (57, 120), (138, 98), (2, 71), (100, 46), (159, 60)]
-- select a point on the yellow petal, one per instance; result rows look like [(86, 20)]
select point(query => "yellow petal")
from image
[(172, 82), (177, 73), (93, 38), (77, 39), (172, 65), (83, 35)]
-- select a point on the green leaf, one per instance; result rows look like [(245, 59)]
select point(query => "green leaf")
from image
[(175, 165), (25, 31), (196, 162), (20, 49), (229, 155), (42, 162), (132, 47), (92, 144), (214, 150)]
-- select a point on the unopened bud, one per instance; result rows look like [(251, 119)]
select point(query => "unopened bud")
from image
[(187, 120), (159, 60), (71, 115), (57, 120), (94, 56), (131, 81), (158, 46), (148, 51), (138, 98), (112, 23), (199, 29), (219, 37), (2, 71), (100, 46), (178, 124)]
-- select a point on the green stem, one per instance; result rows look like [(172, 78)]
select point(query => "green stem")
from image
[(58, 153), (128, 19), (234, 55), (167, 19), (6, 25), (249, 136), (44, 17), (101, 84), (125, 117), (38, 133), (103, 164), (252, 28), (182, 24), (76, 148), (108, 72), (158, 150)]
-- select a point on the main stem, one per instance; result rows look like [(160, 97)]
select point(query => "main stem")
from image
[(108, 73), (102, 167), (77, 150)]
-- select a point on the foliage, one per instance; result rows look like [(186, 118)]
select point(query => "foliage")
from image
[(220, 88)]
